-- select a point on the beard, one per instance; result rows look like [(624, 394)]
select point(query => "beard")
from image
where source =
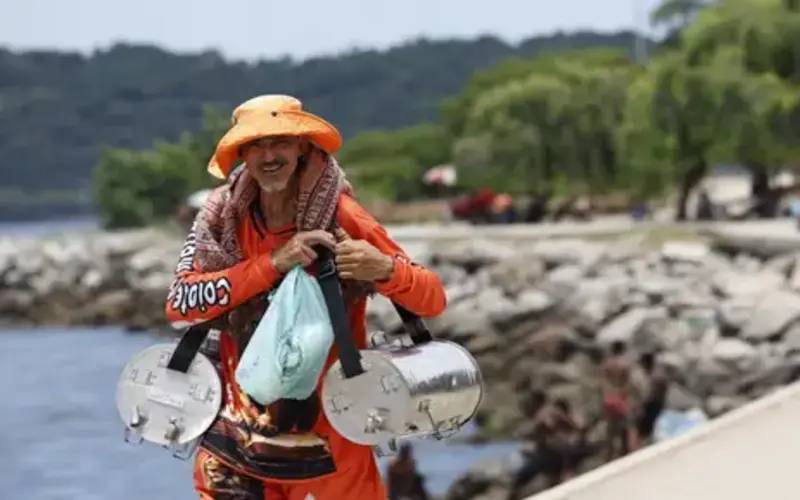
[(274, 186)]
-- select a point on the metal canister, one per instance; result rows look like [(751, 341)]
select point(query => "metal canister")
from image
[(168, 407), (428, 389)]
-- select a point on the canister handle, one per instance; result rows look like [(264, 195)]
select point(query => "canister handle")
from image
[(415, 327)]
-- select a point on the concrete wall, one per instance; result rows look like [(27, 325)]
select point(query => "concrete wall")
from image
[(750, 453)]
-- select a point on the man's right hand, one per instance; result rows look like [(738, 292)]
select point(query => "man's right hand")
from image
[(298, 249)]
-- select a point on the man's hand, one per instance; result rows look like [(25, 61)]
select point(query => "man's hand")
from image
[(360, 261), (298, 249)]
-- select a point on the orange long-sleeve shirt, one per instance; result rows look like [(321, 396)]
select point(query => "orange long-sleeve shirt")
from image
[(201, 296)]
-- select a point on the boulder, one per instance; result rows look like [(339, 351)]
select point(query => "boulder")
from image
[(624, 327), (517, 274), (772, 314), (736, 353), (685, 251), (730, 283)]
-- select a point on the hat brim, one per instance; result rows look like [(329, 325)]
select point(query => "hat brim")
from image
[(283, 122)]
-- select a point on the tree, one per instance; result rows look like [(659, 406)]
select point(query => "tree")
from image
[(391, 165), (553, 128), (134, 188)]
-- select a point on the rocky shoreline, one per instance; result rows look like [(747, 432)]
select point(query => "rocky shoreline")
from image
[(729, 324), (536, 314)]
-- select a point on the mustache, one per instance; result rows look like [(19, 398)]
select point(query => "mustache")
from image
[(277, 162)]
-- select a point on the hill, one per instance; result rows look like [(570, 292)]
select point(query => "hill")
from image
[(58, 109)]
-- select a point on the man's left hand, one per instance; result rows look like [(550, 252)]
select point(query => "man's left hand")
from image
[(359, 260)]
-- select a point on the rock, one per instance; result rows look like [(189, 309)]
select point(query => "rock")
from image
[(461, 291), (461, 321), (517, 274), (746, 263), (734, 313), (718, 405), (155, 284), (774, 312), (675, 362), (16, 302), (563, 281), (679, 398), (481, 343), (657, 288), (488, 480), (597, 299), (559, 252), (381, 315), (794, 277), (736, 353), (699, 320), (450, 274), (109, 307), (551, 373), (685, 251), (731, 283), (529, 304), (772, 371), (791, 340), (783, 264), (473, 254), (626, 325)]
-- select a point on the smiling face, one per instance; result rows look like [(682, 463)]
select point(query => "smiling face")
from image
[(273, 160)]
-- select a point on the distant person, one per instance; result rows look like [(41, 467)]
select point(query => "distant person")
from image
[(502, 209), (403, 480), (705, 208), (556, 434), (655, 395), (640, 211), (621, 435), (531, 434), (537, 209), (570, 439), (794, 211)]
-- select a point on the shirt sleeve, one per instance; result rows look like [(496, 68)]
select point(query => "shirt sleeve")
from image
[(197, 296), (411, 285)]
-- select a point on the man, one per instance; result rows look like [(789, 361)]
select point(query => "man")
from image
[(621, 437), (655, 394), (288, 201), (404, 481)]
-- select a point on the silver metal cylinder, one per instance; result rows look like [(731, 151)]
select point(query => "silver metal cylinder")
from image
[(164, 406), (429, 389)]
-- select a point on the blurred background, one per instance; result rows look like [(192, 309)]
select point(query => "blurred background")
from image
[(608, 189)]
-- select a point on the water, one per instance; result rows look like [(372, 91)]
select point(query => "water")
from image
[(61, 437), (49, 227)]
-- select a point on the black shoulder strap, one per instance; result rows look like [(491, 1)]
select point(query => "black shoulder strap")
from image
[(187, 348), (332, 291)]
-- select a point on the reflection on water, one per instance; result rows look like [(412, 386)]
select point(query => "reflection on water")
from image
[(62, 439)]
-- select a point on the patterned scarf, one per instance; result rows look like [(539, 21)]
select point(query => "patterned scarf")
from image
[(217, 247)]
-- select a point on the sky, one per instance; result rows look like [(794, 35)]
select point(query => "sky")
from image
[(255, 29)]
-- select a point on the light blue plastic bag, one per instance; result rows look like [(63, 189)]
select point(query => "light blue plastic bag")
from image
[(287, 351)]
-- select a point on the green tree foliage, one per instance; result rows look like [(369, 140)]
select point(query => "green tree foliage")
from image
[(725, 90), (137, 187), (727, 95), (59, 110), (390, 165), (550, 126)]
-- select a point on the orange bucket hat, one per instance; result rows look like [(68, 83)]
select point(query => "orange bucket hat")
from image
[(269, 115)]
